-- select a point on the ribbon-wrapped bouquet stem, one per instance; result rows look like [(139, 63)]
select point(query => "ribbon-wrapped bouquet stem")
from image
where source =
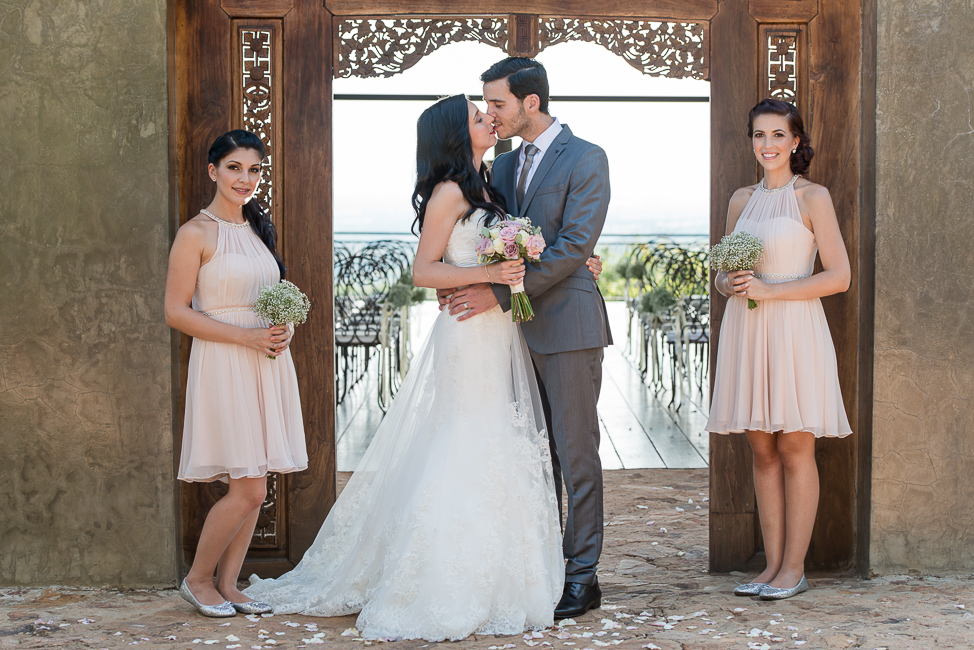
[(507, 240), (282, 303), (738, 251)]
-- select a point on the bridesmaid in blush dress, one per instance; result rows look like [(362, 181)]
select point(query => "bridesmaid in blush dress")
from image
[(243, 415), (776, 378)]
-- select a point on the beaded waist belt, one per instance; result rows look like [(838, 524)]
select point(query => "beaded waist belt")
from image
[(226, 311), (779, 276)]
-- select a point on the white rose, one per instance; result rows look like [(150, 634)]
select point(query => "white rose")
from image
[(499, 245)]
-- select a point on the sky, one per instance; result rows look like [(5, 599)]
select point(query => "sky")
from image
[(659, 153)]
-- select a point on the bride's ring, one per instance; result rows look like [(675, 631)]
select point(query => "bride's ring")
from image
[(465, 306)]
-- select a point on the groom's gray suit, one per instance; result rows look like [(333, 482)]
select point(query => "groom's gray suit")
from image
[(567, 197)]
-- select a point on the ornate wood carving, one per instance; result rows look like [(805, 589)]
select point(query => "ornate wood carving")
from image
[(782, 63), (269, 521), (257, 106), (524, 35), (663, 49), (690, 10), (384, 47), (257, 99)]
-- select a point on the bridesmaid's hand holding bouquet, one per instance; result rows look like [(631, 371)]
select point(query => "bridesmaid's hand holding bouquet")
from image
[(738, 251), (281, 304), (508, 240)]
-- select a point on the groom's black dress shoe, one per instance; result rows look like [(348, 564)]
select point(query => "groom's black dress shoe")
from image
[(578, 599)]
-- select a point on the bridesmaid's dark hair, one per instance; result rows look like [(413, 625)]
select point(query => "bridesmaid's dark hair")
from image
[(444, 152), (255, 213), (802, 158)]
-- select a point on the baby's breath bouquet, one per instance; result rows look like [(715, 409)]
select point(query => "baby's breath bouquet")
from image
[(511, 239), (738, 251), (281, 304)]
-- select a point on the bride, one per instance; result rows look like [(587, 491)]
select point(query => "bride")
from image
[(449, 525)]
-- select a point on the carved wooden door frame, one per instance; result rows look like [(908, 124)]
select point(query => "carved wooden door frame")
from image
[(811, 50), (264, 65)]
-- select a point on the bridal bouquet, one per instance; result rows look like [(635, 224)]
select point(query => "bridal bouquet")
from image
[(738, 251), (281, 304), (508, 240)]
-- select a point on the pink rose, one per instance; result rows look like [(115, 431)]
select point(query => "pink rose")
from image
[(534, 245), (510, 251), (508, 233)]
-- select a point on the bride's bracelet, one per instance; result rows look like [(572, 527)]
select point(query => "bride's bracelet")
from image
[(488, 274)]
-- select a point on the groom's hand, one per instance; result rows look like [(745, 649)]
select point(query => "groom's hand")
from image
[(443, 296), (473, 300)]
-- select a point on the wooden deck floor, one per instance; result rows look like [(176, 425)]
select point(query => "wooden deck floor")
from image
[(639, 430)]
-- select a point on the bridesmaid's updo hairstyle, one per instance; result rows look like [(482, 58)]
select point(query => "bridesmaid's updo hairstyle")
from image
[(444, 152), (802, 158), (255, 213)]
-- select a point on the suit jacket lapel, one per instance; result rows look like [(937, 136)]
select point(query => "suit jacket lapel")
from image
[(547, 162)]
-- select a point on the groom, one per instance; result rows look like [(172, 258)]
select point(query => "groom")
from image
[(561, 183)]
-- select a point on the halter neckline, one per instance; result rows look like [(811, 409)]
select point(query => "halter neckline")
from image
[(230, 224), (764, 188)]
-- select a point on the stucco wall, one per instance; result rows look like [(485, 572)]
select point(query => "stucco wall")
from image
[(923, 451), (85, 434)]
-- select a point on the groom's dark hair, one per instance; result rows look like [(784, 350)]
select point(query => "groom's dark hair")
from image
[(524, 77)]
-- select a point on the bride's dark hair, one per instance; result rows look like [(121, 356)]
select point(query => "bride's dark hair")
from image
[(444, 152), (255, 213)]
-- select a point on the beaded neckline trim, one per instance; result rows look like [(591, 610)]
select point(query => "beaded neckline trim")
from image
[(778, 189), (230, 224)]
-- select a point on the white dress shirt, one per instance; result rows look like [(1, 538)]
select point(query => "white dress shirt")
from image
[(543, 142)]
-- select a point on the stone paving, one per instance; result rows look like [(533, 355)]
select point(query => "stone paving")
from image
[(658, 595)]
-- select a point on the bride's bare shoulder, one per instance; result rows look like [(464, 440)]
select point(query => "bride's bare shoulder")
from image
[(446, 191), (447, 197)]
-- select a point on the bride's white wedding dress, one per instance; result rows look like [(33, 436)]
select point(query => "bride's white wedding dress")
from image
[(449, 525)]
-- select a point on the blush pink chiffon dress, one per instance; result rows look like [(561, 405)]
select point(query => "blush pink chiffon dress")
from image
[(776, 365), (243, 413)]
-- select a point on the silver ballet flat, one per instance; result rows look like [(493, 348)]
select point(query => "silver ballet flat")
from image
[(776, 593), (253, 607), (750, 589), (223, 610)]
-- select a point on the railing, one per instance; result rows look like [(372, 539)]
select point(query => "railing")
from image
[(665, 286), (371, 317), (666, 290)]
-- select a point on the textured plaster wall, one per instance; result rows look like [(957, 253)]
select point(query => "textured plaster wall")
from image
[(923, 451), (85, 413)]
